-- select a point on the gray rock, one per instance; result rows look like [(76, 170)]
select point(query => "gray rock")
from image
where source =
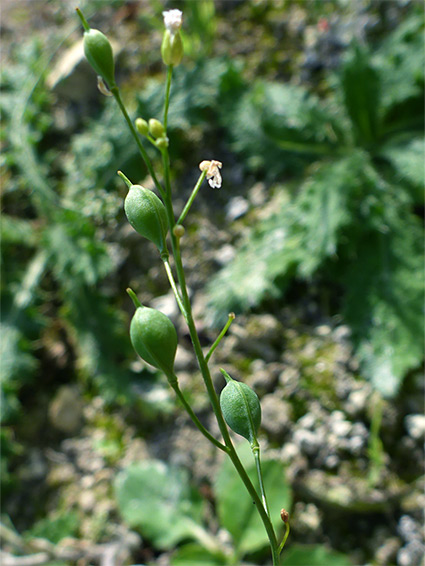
[(66, 410), (307, 421), (237, 207), (225, 254), (263, 377), (276, 415), (409, 529), (411, 555), (308, 441), (415, 425), (357, 401), (167, 305), (339, 426)]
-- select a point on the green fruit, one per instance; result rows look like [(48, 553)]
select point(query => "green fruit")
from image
[(154, 338), (241, 408), (99, 54), (146, 213)]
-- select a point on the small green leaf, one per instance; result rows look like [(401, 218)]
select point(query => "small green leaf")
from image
[(235, 508), (313, 555), (384, 300), (400, 61), (14, 230), (196, 555), (324, 208), (56, 527), (360, 84), (158, 500), (407, 158)]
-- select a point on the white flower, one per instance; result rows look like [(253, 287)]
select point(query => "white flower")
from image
[(213, 173), (173, 20)]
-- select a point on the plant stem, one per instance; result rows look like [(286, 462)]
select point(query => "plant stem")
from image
[(192, 197), (229, 448), (116, 93), (375, 447), (194, 418), (167, 94), (256, 452), (214, 398), (220, 336), (174, 286), (285, 536)]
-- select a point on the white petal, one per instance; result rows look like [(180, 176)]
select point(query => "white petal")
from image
[(215, 181), (173, 20)]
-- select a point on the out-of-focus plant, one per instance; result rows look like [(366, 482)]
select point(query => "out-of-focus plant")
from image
[(159, 500), (53, 258), (352, 224)]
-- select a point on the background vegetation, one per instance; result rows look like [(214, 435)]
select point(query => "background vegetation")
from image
[(315, 241)]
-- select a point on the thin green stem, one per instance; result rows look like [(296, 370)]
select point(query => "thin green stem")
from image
[(256, 453), (192, 197), (116, 93), (174, 287), (203, 366), (221, 335), (167, 94), (375, 446), (194, 418), (166, 165), (285, 536), (216, 406), (229, 448)]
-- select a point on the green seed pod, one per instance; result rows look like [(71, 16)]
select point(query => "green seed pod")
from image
[(98, 51), (241, 408), (99, 54), (146, 213), (154, 338)]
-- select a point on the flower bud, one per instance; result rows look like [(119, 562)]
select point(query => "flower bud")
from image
[(154, 338), (142, 126), (172, 48), (178, 231), (241, 408), (156, 128), (161, 143), (284, 515), (147, 214)]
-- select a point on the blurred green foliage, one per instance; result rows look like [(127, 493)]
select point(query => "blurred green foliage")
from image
[(55, 528), (352, 223), (57, 229), (349, 217), (159, 500)]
